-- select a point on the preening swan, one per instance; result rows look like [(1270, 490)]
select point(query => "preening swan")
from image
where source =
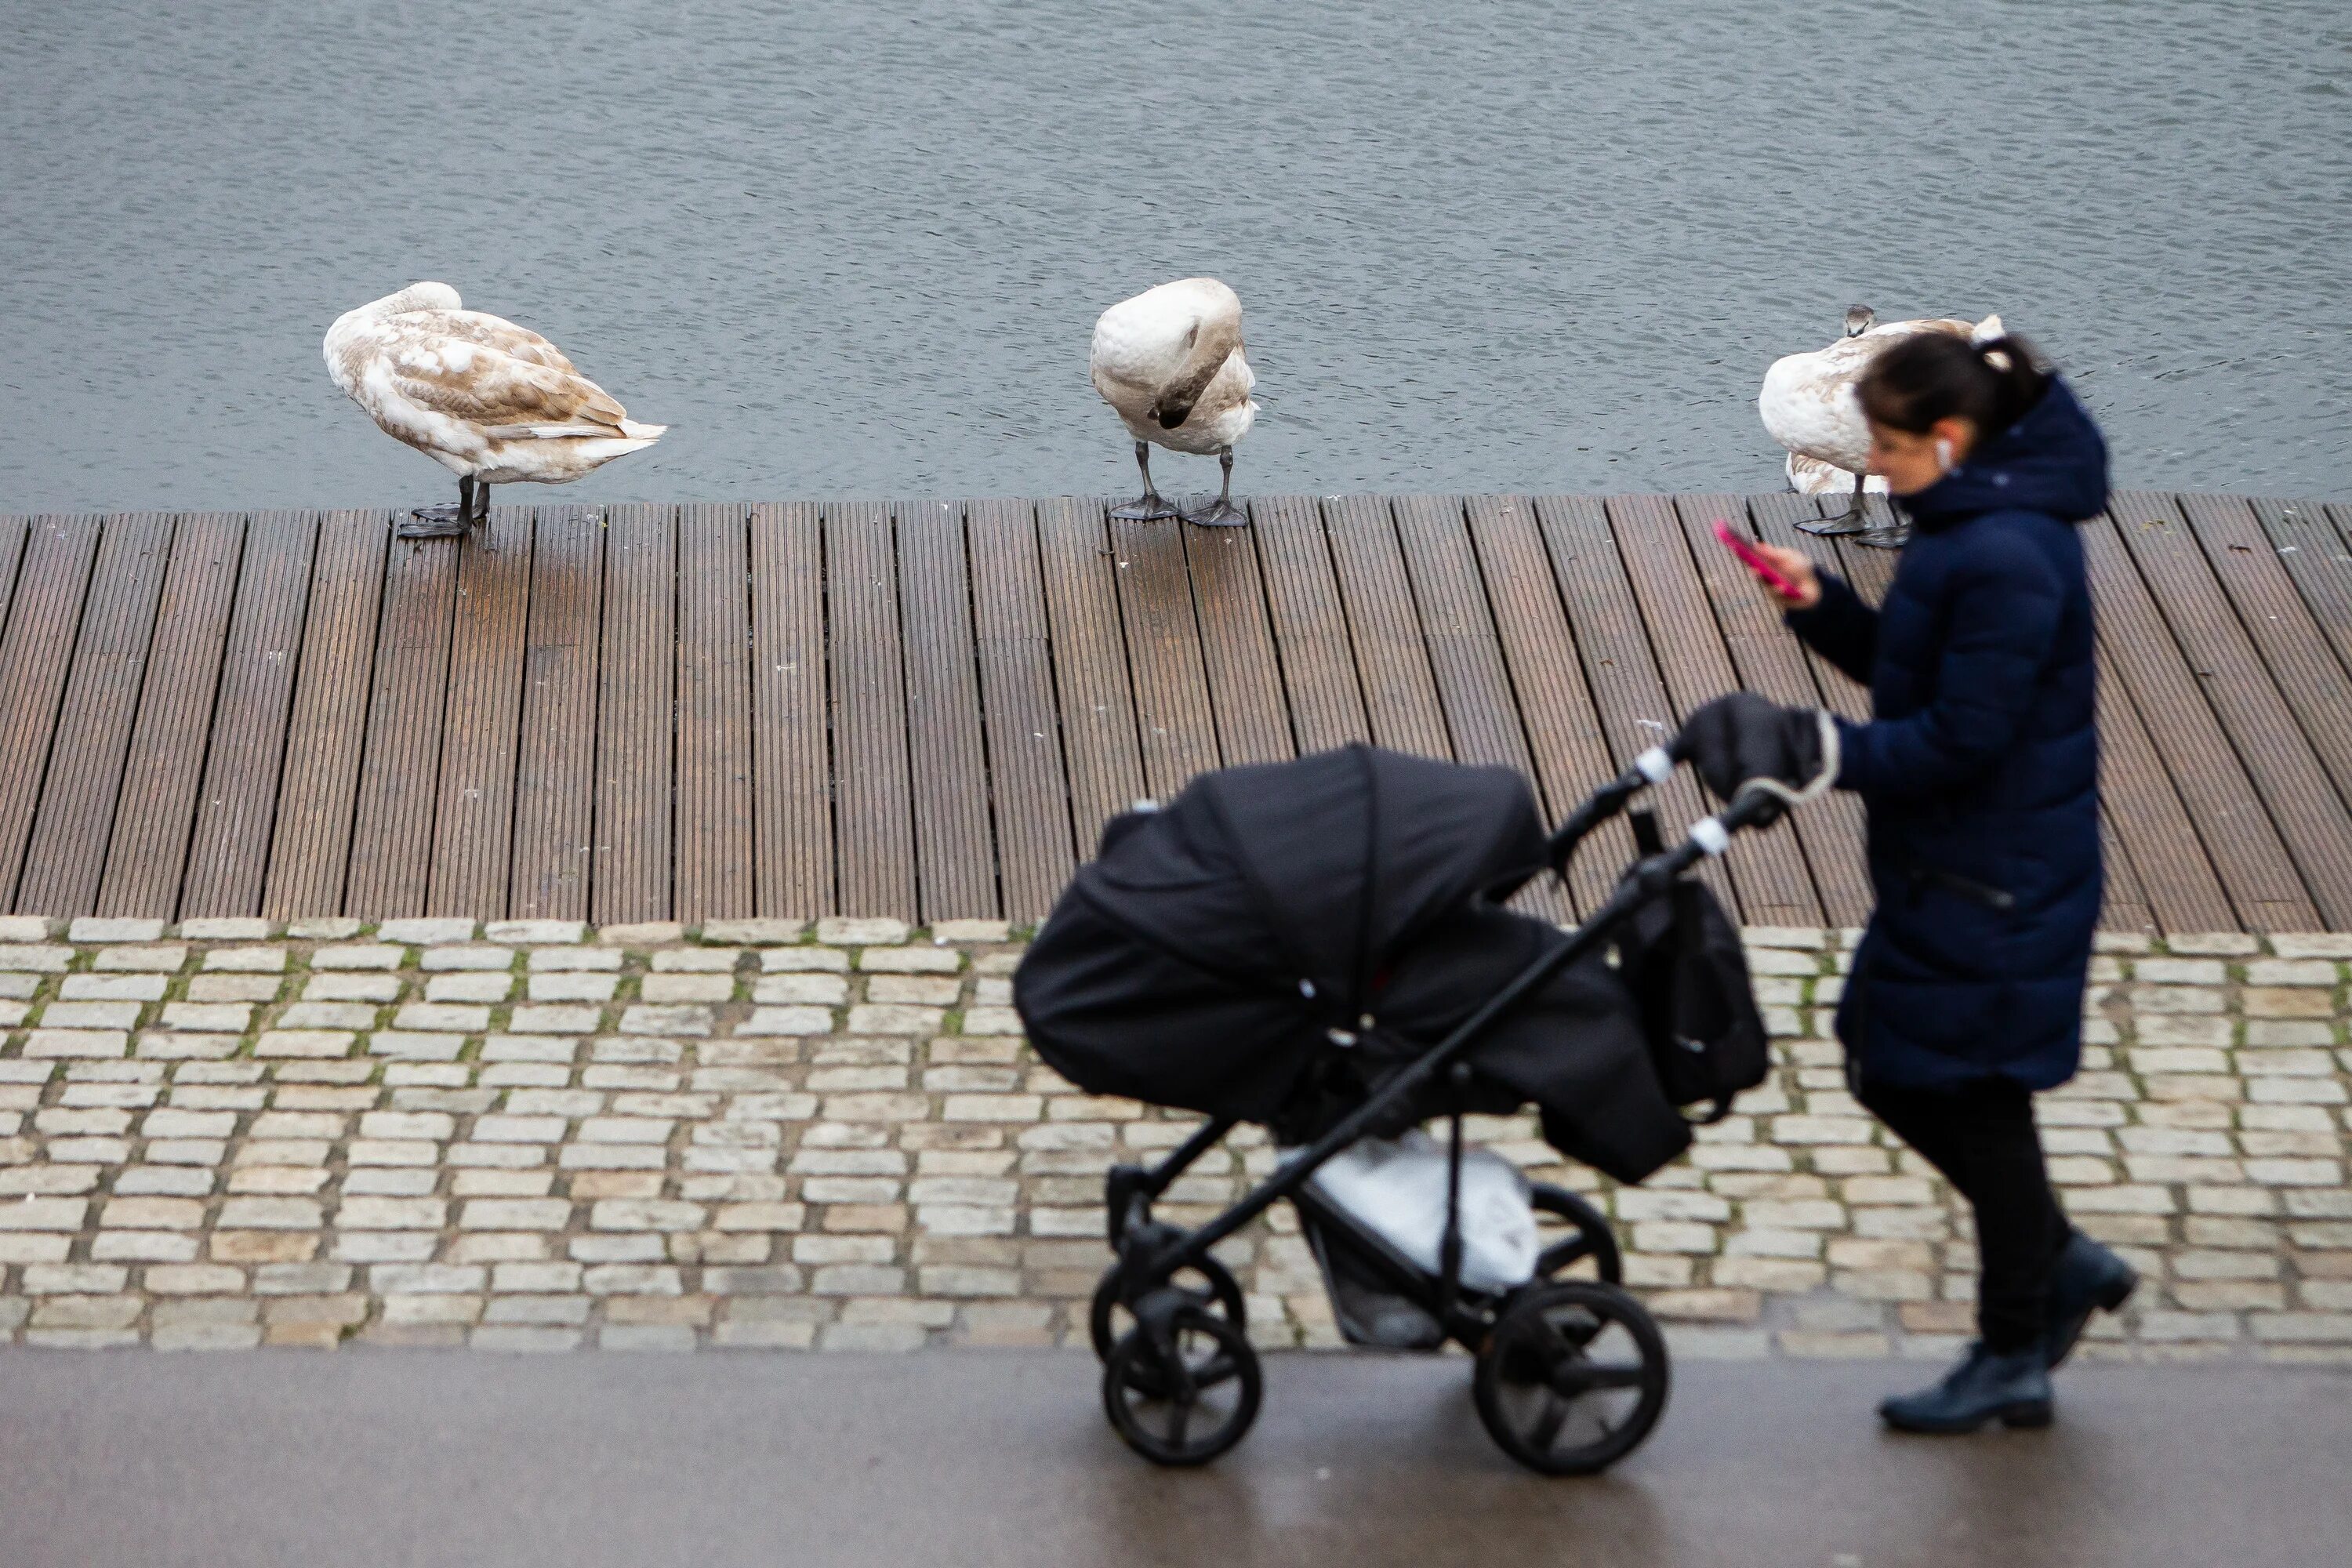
[(493, 403), (1170, 361), (1809, 407)]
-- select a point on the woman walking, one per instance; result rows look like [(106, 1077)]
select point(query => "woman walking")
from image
[(1978, 770)]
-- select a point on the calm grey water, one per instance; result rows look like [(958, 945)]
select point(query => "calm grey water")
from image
[(856, 247)]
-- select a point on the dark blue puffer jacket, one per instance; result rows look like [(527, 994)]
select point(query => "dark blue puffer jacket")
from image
[(1979, 768)]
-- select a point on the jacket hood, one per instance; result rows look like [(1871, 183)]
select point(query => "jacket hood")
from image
[(2053, 461)]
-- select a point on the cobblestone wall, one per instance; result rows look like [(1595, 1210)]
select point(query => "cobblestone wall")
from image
[(530, 1135)]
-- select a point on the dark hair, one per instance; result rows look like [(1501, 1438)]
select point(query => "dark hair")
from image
[(1935, 375)]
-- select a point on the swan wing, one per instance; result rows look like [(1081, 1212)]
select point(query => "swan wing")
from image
[(462, 377), (498, 333)]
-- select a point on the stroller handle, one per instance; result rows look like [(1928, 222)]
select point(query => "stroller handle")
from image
[(1653, 766), (1756, 805)]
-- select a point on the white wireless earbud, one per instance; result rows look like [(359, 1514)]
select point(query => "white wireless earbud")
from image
[(1943, 456)]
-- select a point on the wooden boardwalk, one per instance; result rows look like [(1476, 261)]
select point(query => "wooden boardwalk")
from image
[(927, 709)]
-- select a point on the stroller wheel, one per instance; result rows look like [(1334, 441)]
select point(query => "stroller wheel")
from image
[(1588, 1235), (1572, 1378), (1108, 1318), (1186, 1401)]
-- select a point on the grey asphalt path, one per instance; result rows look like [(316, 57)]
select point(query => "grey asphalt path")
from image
[(976, 1459)]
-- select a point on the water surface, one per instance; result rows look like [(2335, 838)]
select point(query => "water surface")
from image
[(855, 246)]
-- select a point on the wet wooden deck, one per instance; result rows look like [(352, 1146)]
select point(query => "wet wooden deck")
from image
[(926, 708)]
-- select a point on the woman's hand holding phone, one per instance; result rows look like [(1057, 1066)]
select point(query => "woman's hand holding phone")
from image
[(1787, 572), (1804, 590)]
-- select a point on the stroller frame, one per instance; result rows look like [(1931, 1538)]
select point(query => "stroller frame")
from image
[(1151, 1252)]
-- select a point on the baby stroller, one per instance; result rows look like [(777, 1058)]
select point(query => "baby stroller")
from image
[(1321, 947)]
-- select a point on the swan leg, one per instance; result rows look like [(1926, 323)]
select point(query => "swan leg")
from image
[(1151, 506), (1838, 524), (482, 502), (1221, 512), (1894, 536), (445, 521)]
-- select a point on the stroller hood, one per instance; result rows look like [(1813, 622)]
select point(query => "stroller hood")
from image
[(1344, 906), (1300, 877)]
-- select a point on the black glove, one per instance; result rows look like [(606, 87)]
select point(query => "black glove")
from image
[(1740, 737)]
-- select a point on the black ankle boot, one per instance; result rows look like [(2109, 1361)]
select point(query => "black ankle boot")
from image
[(2086, 1277), (2014, 1387)]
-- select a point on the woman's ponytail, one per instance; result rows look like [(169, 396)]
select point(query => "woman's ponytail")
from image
[(1933, 375)]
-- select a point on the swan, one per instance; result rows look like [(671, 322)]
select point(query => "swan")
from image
[(1809, 407), (1170, 361), (494, 403)]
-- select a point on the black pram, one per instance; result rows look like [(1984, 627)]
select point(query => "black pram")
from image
[(1321, 946)]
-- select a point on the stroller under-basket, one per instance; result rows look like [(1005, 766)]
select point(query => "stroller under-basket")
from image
[(1321, 947)]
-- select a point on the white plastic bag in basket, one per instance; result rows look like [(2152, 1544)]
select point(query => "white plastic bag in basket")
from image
[(1396, 1189)]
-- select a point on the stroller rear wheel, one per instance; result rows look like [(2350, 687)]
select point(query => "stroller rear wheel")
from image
[(1588, 1235), (1108, 1317), (1185, 1396), (1572, 1378)]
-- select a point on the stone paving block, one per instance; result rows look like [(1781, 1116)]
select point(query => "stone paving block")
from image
[(534, 932), (754, 932), (796, 960), (97, 929), (427, 932)]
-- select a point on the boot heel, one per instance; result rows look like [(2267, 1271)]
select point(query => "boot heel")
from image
[(2119, 1292), (2034, 1412)]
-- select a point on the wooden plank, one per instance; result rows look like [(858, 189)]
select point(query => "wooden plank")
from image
[(1570, 754), (13, 533), (555, 768), (311, 840), (473, 822), (400, 769), (1392, 660), (36, 653), (2319, 559), (715, 847), (1767, 867), (874, 813), (1172, 716), (1036, 850), (228, 851), (2137, 648), (2158, 871), (955, 846), (2340, 513), (66, 856), (1768, 659), (791, 772), (2282, 630), (1465, 656), (1627, 691), (1237, 644), (1090, 669), (635, 719), (1325, 698), (2310, 815), (149, 846)]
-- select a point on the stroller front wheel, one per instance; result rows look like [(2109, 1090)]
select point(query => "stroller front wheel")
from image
[(1572, 1378), (1183, 1397), (1109, 1318)]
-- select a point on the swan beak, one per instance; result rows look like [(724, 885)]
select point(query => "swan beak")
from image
[(1173, 414)]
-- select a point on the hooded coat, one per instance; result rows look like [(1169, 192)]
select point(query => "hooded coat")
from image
[(1979, 766)]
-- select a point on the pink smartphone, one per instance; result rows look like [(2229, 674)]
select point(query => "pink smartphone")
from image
[(1754, 562)]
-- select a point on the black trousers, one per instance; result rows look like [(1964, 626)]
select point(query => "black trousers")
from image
[(1983, 1138)]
